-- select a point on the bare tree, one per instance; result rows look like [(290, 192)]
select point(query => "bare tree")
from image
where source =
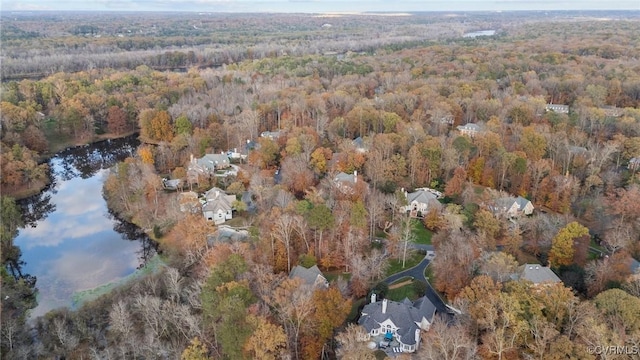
[(444, 342)]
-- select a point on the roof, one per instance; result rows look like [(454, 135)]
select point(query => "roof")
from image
[(405, 315), (470, 127), (421, 196), (211, 161), (538, 274), (558, 108), (577, 149), (344, 177), (522, 202), (218, 200), (310, 276), (507, 202), (270, 134), (634, 267)]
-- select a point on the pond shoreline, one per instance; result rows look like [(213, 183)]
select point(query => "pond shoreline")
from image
[(76, 246), (24, 193)]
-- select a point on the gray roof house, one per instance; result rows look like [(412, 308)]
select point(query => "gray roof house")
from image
[(538, 274), (273, 135), (346, 182), (311, 276), (403, 320), (209, 163), (470, 129), (360, 145), (512, 207), (421, 199), (218, 206)]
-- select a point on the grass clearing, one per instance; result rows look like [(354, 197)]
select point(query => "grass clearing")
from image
[(422, 234), (395, 266)]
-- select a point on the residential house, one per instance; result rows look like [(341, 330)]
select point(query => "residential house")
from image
[(537, 274), (234, 154), (512, 207), (470, 129), (421, 200), (209, 163), (225, 233), (612, 111), (346, 183), (173, 184), (360, 145), (402, 321), (273, 135), (560, 109), (634, 164), (312, 276), (218, 206)]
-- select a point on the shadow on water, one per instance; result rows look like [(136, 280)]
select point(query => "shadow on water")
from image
[(81, 161), (131, 232)]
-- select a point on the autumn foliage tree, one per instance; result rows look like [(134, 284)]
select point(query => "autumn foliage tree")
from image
[(562, 249), (116, 120)]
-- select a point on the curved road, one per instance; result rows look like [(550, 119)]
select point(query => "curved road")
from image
[(417, 272)]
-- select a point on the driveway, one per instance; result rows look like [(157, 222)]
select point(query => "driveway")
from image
[(417, 272)]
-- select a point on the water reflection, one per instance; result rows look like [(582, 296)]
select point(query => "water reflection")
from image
[(72, 241)]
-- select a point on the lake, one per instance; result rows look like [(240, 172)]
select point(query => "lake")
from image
[(475, 34), (71, 242)]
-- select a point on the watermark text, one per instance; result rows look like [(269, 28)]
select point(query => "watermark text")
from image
[(613, 350)]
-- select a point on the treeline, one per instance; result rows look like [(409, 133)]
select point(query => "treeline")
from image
[(181, 40)]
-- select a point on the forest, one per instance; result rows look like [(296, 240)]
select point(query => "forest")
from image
[(385, 99)]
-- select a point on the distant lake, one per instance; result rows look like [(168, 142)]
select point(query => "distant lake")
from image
[(72, 242), (479, 33)]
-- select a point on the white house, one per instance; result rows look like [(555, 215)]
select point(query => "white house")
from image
[(421, 200), (470, 129), (561, 109), (634, 164), (512, 207), (218, 206), (401, 320), (273, 135)]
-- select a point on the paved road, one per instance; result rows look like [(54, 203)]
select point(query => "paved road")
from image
[(417, 272)]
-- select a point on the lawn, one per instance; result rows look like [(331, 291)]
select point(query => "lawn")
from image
[(395, 266), (423, 236), (406, 291), (411, 289)]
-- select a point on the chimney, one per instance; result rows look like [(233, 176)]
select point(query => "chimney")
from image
[(217, 193), (417, 338), (355, 176), (191, 158), (373, 297), (384, 306)]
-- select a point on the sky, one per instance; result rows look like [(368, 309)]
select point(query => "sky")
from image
[(316, 6)]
